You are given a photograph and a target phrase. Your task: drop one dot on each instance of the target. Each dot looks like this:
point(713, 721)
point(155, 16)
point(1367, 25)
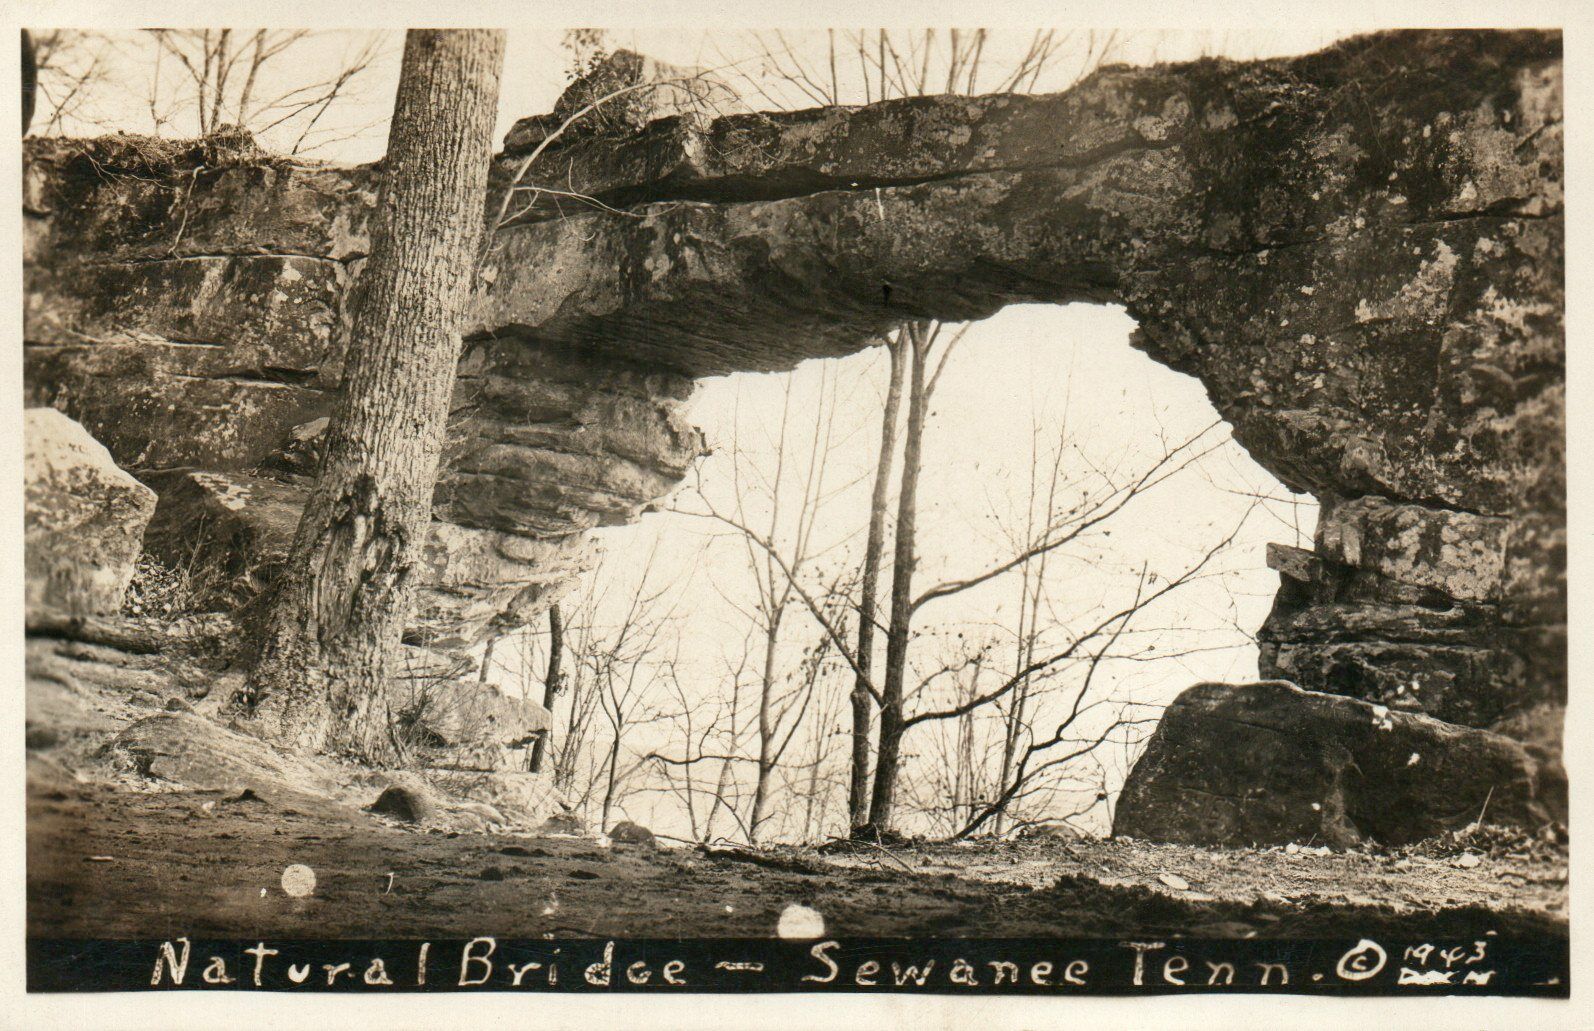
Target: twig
point(888, 852)
point(188, 197)
point(1478, 823)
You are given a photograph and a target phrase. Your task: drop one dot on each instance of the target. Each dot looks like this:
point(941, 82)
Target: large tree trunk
point(321, 680)
point(874, 549)
point(30, 80)
point(888, 756)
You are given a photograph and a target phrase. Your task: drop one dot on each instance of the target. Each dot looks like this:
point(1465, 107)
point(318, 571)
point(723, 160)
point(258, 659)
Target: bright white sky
point(1028, 371)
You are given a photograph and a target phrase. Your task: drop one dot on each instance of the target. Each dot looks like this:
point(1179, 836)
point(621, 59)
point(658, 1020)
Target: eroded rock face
point(1270, 764)
point(83, 520)
point(193, 317)
point(234, 532)
point(1359, 252)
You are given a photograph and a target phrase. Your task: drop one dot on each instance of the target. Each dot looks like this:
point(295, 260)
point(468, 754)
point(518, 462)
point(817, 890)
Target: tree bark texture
point(321, 680)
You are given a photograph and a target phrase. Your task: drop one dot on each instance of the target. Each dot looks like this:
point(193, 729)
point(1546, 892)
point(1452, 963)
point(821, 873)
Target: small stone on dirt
point(1174, 881)
point(563, 823)
point(402, 804)
point(1468, 860)
point(627, 833)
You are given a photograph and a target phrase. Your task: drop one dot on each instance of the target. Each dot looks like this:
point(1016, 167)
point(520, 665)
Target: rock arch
point(1360, 253)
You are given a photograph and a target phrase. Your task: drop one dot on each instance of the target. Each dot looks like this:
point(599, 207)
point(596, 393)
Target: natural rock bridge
point(1359, 252)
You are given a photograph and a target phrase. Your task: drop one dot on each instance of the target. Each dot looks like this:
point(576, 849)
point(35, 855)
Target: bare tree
point(617, 639)
point(786, 500)
point(626, 673)
point(70, 65)
point(216, 75)
point(551, 683)
point(868, 66)
point(863, 699)
point(348, 586)
point(579, 633)
point(892, 724)
point(284, 86)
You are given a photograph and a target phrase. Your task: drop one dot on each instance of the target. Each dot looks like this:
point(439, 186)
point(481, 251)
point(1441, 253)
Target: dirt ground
point(114, 853)
point(106, 862)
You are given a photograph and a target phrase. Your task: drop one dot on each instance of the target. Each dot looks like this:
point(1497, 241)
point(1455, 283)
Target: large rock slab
point(525, 799)
point(1268, 763)
point(189, 750)
point(184, 750)
point(83, 521)
point(1350, 620)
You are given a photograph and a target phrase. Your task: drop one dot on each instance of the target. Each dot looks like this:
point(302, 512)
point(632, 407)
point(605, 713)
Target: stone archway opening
point(1033, 393)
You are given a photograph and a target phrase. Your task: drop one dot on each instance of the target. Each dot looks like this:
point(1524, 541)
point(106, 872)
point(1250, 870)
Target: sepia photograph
point(1049, 511)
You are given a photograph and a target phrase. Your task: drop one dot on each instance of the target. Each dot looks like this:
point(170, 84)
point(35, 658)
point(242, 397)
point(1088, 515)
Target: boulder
point(405, 804)
point(468, 723)
point(413, 797)
point(84, 518)
point(563, 822)
point(522, 799)
point(458, 723)
point(1268, 763)
point(627, 833)
point(231, 531)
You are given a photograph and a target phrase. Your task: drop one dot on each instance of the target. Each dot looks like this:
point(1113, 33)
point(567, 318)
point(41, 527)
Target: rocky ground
point(124, 849)
point(107, 862)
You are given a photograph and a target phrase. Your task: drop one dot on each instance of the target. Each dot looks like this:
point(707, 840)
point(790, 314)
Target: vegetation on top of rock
point(136, 154)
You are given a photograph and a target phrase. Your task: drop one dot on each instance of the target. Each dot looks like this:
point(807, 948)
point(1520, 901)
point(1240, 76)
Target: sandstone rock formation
point(1360, 253)
point(83, 518)
point(236, 530)
point(1269, 764)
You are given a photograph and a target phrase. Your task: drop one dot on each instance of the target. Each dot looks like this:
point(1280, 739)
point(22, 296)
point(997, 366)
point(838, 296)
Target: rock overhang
point(1359, 252)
